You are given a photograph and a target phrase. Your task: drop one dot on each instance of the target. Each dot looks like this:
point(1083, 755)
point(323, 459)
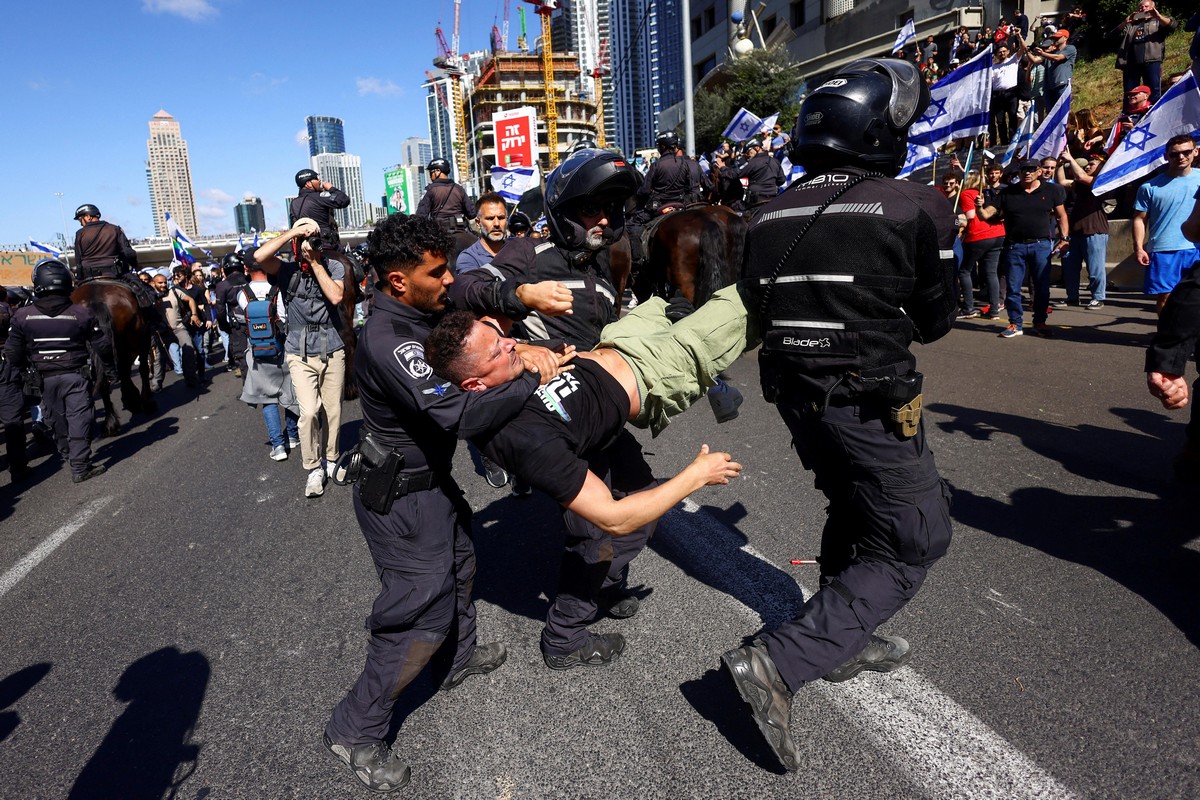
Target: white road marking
point(23, 567)
point(938, 744)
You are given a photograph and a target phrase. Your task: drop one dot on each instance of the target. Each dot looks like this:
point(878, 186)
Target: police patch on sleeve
point(411, 357)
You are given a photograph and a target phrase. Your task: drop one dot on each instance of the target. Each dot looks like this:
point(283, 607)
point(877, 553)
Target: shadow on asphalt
point(1106, 330)
point(146, 750)
point(714, 698)
point(12, 689)
point(1139, 542)
point(518, 547)
point(112, 451)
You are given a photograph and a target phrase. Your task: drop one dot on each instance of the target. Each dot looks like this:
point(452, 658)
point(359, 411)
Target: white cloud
point(38, 85)
point(302, 138)
point(214, 212)
point(377, 86)
point(269, 204)
point(134, 201)
point(194, 10)
point(216, 195)
point(260, 83)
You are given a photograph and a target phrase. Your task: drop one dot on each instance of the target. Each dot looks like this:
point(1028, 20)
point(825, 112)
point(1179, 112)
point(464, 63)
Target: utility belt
point(901, 394)
point(377, 469)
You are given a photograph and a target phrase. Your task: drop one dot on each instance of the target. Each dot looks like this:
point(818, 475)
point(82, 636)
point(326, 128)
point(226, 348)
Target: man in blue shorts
point(1161, 207)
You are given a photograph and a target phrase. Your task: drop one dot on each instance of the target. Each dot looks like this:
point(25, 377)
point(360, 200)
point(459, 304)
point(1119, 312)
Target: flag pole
point(966, 172)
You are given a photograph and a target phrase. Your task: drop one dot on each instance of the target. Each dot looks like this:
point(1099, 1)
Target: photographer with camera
point(317, 200)
point(313, 286)
point(1143, 46)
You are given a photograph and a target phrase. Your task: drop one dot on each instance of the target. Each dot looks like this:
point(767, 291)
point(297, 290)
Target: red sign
point(516, 137)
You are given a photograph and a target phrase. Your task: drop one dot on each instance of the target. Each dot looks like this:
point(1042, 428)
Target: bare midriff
point(616, 366)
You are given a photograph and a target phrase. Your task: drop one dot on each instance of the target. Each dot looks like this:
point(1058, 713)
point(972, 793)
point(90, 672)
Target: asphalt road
point(183, 625)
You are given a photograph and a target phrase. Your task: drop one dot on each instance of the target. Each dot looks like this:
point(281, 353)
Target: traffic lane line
point(934, 741)
point(51, 543)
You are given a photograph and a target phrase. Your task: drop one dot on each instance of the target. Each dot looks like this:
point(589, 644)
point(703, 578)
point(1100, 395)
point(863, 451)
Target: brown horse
point(696, 251)
point(116, 309)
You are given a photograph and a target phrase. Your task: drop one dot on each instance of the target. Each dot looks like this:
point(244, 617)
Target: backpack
point(263, 328)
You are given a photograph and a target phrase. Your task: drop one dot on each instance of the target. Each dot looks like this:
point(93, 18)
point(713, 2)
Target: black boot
point(758, 682)
point(375, 764)
point(484, 659)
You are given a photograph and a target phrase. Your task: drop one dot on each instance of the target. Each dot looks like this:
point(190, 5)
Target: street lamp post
point(63, 215)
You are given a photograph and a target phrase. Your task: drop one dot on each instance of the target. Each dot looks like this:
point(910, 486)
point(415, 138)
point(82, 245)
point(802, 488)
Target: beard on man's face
point(595, 238)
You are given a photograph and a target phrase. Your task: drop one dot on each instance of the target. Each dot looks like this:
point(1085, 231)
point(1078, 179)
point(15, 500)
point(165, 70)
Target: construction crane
point(545, 8)
point(448, 61)
point(522, 40)
point(598, 73)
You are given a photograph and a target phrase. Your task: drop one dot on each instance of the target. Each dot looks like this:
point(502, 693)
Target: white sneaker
point(293, 444)
point(330, 467)
point(278, 453)
point(315, 486)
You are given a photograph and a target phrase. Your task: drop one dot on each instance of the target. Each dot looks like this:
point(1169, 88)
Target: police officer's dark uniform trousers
point(421, 544)
point(1177, 338)
point(594, 561)
point(12, 403)
point(875, 271)
point(53, 334)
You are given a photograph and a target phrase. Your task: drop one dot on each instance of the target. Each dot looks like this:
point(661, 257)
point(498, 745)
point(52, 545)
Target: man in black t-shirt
point(1028, 209)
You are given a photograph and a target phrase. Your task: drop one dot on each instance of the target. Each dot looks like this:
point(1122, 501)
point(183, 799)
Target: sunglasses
point(1030, 169)
point(1181, 153)
point(592, 208)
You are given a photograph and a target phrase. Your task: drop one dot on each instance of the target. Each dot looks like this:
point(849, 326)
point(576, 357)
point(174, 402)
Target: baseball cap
point(1031, 163)
point(1060, 34)
point(305, 175)
point(1143, 89)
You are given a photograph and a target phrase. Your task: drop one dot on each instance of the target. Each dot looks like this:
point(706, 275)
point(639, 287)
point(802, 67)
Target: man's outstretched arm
point(595, 502)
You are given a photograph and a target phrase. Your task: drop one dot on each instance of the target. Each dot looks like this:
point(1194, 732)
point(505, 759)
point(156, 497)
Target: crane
point(449, 61)
point(522, 40)
point(598, 73)
point(545, 8)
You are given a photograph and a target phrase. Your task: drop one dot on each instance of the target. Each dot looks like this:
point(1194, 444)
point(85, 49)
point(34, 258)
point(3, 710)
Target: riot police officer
point(101, 248)
point(762, 173)
point(535, 282)
point(12, 398)
point(445, 201)
point(411, 512)
point(672, 180)
point(850, 268)
point(317, 200)
point(53, 335)
point(231, 318)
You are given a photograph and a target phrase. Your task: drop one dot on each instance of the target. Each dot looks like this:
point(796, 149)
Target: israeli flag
point(1020, 142)
point(958, 109)
point(1050, 139)
point(907, 34)
point(742, 126)
point(791, 172)
point(512, 182)
point(1143, 148)
point(45, 248)
point(175, 232)
point(768, 124)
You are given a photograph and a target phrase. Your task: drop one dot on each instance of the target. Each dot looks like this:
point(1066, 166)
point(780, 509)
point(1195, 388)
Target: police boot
point(484, 659)
point(618, 602)
point(758, 682)
point(882, 654)
point(93, 471)
point(375, 764)
point(600, 649)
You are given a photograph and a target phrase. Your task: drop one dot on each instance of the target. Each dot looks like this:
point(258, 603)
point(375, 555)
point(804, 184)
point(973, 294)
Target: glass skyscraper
point(325, 135)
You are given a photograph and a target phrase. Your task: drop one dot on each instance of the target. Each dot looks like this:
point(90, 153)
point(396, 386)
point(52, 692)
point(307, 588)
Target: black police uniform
point(53, 334)
point(12, 403)
point(573, 424)
point(446, 203)
point(103, 250)
point(421, 545)
point(1178, 336)
point(225, 295)
point(875, 271)
point(319, 205)
point(764, 176)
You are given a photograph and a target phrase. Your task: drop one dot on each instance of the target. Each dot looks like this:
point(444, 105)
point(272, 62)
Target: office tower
point(417, 152)
point(344, 171)
point(325, 135)
point(248, 215)
point(169, 176)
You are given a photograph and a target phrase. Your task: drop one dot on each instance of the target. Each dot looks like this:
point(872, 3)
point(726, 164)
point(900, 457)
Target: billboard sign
point(401, 183)
point(516, 137)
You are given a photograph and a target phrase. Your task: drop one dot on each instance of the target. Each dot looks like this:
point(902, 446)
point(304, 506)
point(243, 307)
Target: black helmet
point(667, 141)
point(752, 143)
point(439, 164)
point(18, 296)
point(861, 115)
point(595, 175)
point(87, 210)
point(583, 144)
point(304, 176)
point(51, 276)
point(234, 262)
point(518, 223)
point(360, 250)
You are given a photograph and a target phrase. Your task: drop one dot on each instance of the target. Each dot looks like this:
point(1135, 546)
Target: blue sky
point(82, 80)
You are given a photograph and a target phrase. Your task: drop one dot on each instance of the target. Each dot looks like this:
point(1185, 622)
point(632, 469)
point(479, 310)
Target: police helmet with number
point(667, 142)
point(861, 117)
point(51, 276)
point(597, 178)
point(234, 262)
point(304, 176)
point(439, 165)
point(87, 210)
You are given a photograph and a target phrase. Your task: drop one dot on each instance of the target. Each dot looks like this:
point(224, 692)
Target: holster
point(32, 382)
point(378, 474)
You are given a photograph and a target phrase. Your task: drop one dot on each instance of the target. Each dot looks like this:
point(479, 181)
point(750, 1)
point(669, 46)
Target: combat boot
point(618, 602)
point(760, 685)
point(600, 649)
point(882, 654)
point(375, 764)
point(484, 659)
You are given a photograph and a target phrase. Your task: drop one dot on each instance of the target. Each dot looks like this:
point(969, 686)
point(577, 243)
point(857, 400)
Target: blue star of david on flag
point(936, 109)
point(1138, 138)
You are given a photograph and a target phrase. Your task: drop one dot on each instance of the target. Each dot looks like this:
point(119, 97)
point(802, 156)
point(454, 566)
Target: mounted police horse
point(116, 309)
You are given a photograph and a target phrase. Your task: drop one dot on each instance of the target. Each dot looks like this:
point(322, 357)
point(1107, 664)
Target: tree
point(762, 82)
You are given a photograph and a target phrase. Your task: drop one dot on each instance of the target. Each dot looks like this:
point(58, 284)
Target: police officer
point(536, 282)
point(727, 184)
point(12, 398)
point(231, 318)
point(673, 179)
point(317, 200)
point(850, 268)
point(445, 201)
point(762, 173)
point(413, 515)
point(54, 335)
point(101, 248)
